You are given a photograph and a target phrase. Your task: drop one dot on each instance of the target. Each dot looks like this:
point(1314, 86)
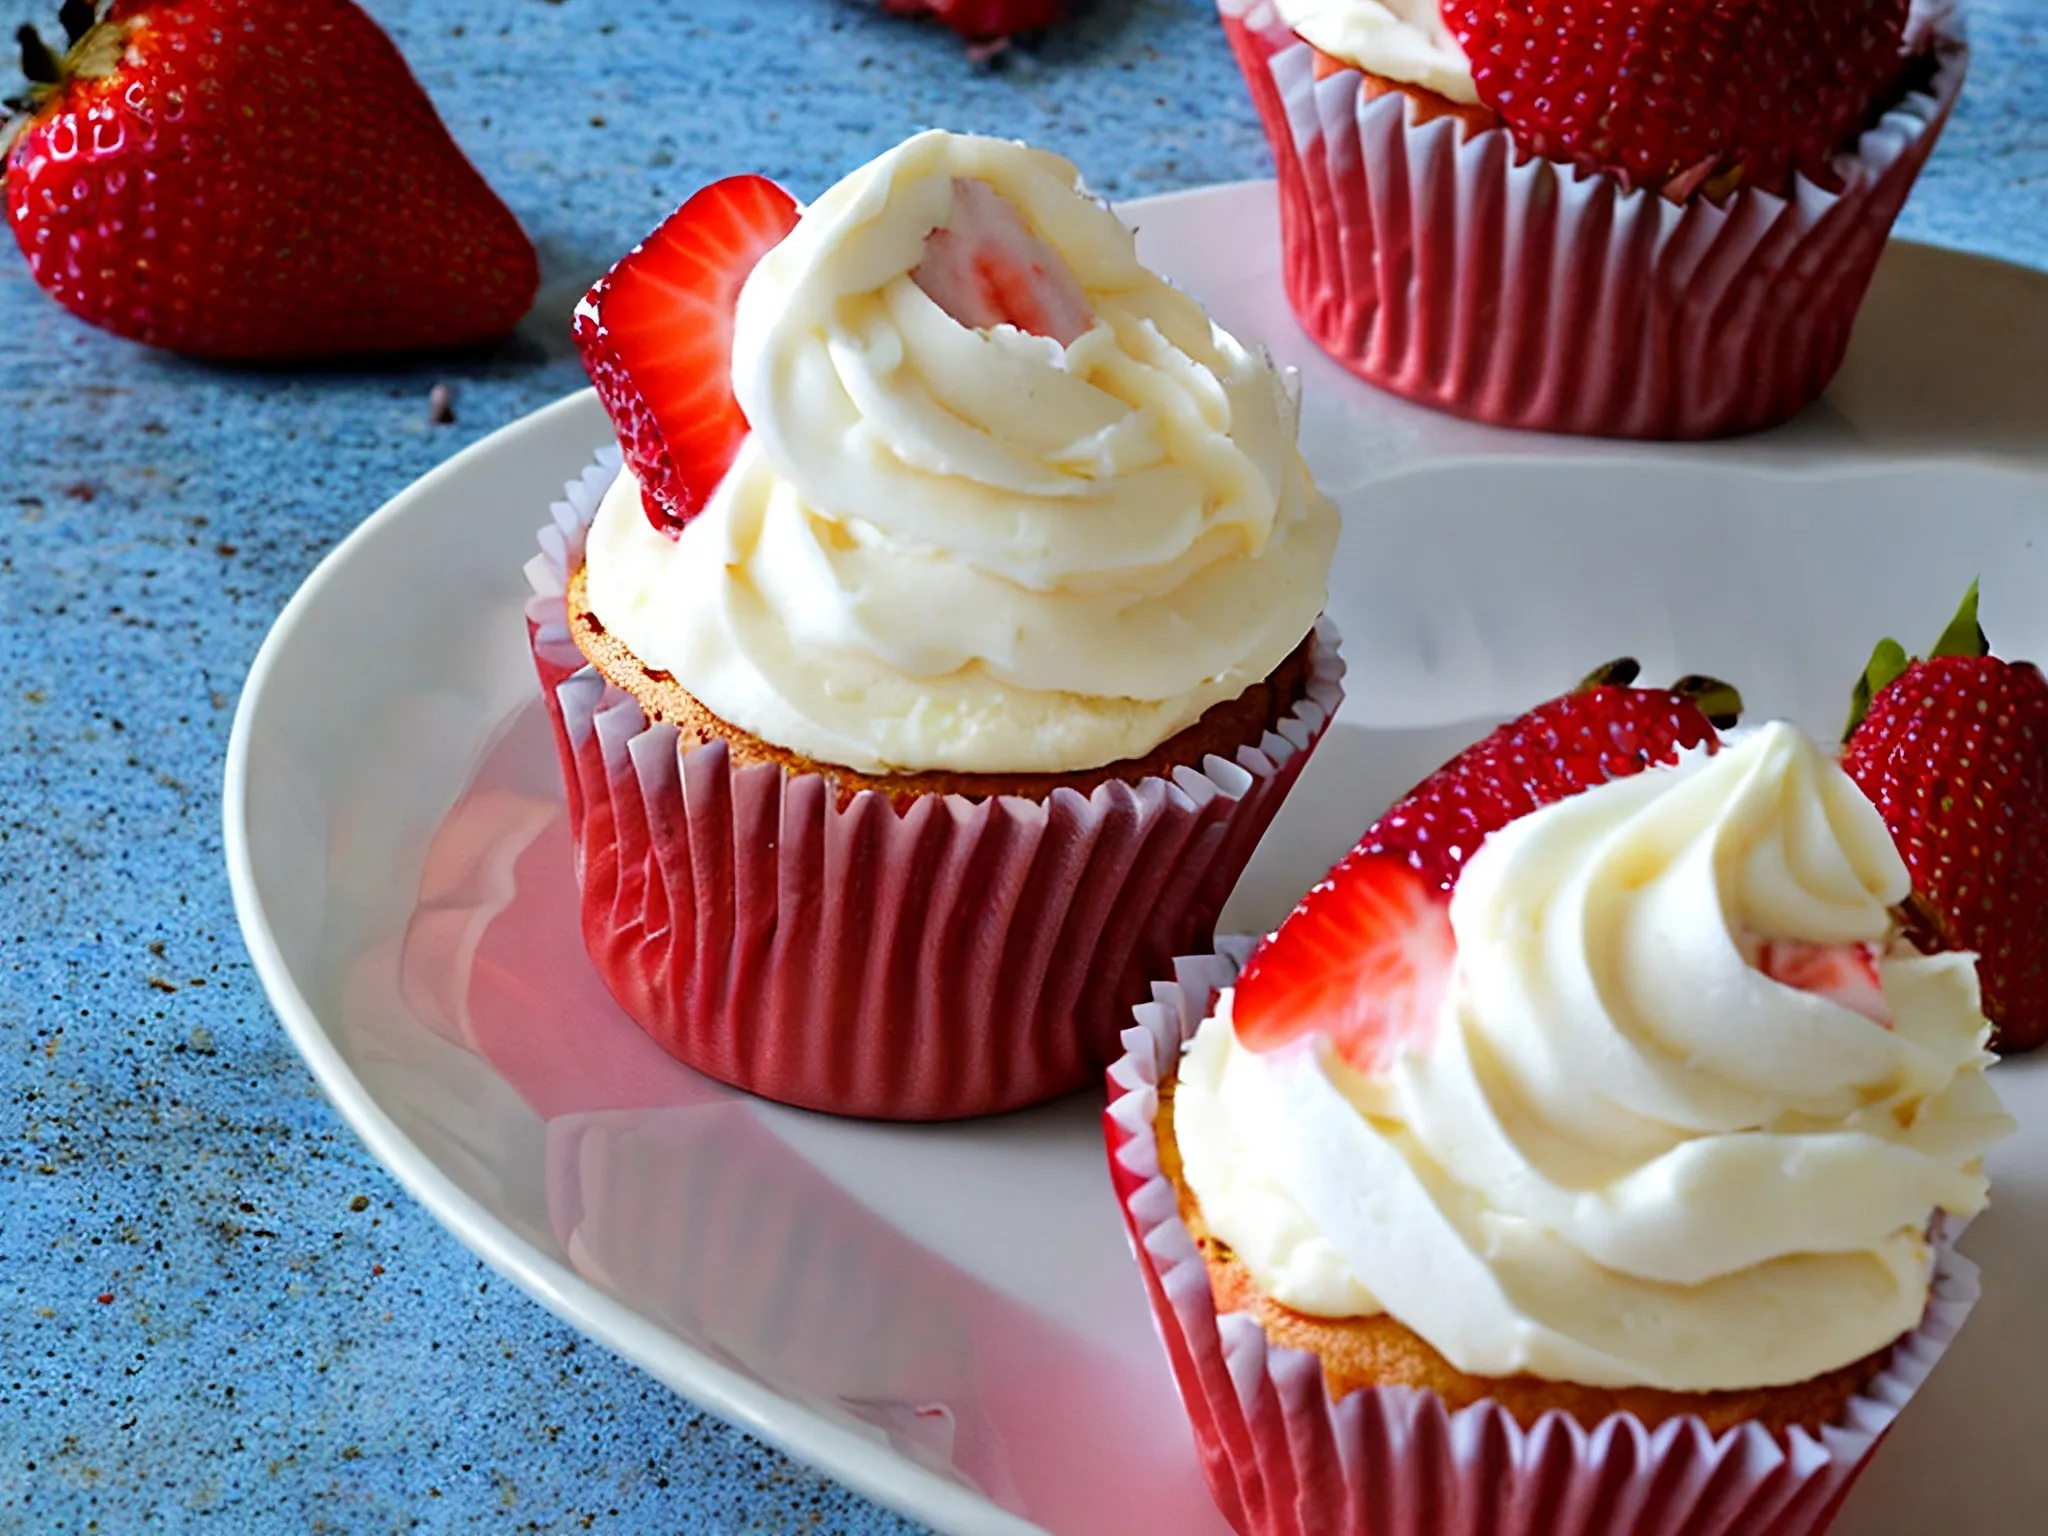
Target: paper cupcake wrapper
point(957, 958)
point(1533, 295)
point(1282, 1459)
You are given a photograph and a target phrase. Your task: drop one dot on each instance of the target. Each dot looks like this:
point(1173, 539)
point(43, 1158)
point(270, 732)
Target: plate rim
point(871, 1468)
point(882, 1474)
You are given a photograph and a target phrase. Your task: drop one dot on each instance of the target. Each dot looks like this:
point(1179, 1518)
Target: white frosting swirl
point(975, 549)
point(1397, 39)
point(1629, 1157)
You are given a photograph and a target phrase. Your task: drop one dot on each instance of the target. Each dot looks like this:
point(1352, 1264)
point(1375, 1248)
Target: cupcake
point(1632, 220)
point(1581, 1156)
point(929, 671)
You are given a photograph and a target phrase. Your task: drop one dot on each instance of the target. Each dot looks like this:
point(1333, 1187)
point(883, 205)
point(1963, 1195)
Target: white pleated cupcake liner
point(1283, 1459)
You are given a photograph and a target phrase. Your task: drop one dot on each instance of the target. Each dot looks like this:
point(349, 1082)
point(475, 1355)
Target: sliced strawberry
point(1363, 961)
point(656, 339)
point(1845, 974)
point(985, 267)
point(1604, 731)
point(1682, 93)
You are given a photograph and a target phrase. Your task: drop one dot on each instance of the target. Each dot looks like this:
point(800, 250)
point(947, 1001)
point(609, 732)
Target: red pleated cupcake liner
point(1283, 1459)
point(1448, 268)
point(954, 958)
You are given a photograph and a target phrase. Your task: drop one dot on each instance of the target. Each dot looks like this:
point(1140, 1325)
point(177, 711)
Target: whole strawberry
point(246, 180)
point(1603, 730)
point(1364, 957)
point(1953, 751)
point(1677, 94)
point(982, 20)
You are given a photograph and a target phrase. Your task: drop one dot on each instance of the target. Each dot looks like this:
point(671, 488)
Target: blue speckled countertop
point(216, 1311)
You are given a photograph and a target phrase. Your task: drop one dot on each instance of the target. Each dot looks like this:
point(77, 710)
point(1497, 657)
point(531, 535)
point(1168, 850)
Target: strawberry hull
point(1522, 293)
point(1283, 1459)
point(959, 958)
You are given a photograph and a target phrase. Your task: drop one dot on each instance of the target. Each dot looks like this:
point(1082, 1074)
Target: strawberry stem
point(1921, 924)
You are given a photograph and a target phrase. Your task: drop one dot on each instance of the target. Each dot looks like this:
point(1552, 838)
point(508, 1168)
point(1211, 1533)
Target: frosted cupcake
point(930, 671)
point(1632, 220)
point(1619, 1179)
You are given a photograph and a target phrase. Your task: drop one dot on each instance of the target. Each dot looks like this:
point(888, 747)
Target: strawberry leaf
point(1888, 664)
point(1720, 702)
point(1618, 673)
point(1964, 636)
point(37, 62)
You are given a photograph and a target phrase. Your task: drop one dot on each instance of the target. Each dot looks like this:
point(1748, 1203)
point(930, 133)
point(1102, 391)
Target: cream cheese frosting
point(1629, 1157)
point(944, 547)
point(1396, 39)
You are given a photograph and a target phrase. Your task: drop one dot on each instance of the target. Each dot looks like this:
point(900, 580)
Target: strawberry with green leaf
point(249, 181)
point(1952, 748)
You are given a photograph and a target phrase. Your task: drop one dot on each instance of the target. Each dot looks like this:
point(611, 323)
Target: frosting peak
point(1632, 1156)
point(974, 548)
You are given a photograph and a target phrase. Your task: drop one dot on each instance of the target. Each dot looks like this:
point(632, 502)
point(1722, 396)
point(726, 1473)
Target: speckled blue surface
point(216, 1312)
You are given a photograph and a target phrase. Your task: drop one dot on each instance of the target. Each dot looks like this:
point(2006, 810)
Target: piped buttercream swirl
point(975, 549)
point(1629, 1156)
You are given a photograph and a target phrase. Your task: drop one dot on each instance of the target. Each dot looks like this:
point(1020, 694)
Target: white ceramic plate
point(945, 1317)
